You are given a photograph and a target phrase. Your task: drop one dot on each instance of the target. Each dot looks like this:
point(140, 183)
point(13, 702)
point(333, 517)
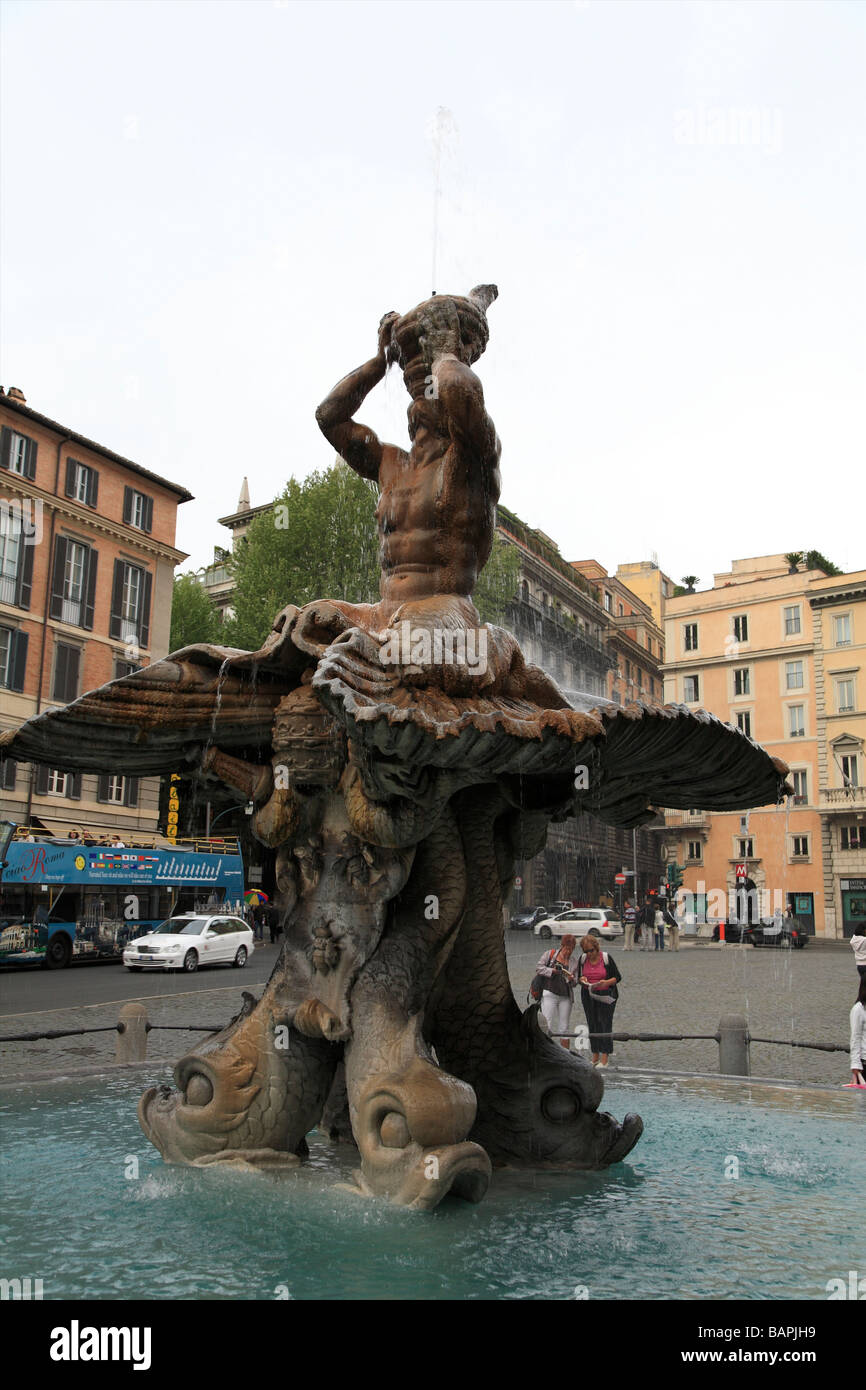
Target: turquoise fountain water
point(670, 1222)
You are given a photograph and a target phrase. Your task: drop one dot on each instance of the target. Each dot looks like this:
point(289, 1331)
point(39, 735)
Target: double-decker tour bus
point(65, 900)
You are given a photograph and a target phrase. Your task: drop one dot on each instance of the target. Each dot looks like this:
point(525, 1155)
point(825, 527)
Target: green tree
point(193, 616)
point(319, 540)
point(498, 581)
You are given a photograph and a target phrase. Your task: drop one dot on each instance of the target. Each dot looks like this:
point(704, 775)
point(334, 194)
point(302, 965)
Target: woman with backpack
point(598, 975)
point(558, 995)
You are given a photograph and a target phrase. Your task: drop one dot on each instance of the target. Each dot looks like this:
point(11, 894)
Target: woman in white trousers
point(557, 1001)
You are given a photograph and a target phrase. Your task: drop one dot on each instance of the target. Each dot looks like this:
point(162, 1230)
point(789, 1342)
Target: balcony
point(686, 820)
point(843, 799)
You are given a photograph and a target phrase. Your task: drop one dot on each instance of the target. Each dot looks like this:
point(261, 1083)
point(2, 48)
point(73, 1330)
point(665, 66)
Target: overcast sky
point(208, 206)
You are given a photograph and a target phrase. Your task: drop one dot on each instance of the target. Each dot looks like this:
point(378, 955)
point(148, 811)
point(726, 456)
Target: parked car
point(581, 921)
point(771, 932)
point(768, 932)
point(526, 917)
point(185, 943)
point(564, 905)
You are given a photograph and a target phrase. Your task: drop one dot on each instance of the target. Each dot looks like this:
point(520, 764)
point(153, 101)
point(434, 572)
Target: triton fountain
point(400, 757)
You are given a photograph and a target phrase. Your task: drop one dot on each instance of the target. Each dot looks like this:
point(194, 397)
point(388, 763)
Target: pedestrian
point(659, 928)
point(673, 929)
point(598, 975)
point(646, 918)
point(630, 919)
point(557, 998)
point(273, 924)
point(858, 1038)
point(858, 946)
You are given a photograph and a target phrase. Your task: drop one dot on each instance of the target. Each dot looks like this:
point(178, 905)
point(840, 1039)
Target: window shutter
point(102, 786)
point(61, 667)
point(127, 505)
point(148, 514)
point(56, 609)
point(18, 660)
point(42, 780)
point(116, 621)
point(8, 768)
point(73, 668)
point(5, 442)
point(30, 460)
point(70, 477)
point(90, 589)
point(144, 617)
point(92, 487)
point(130, 791)
point(74, 785)
point(25, 575)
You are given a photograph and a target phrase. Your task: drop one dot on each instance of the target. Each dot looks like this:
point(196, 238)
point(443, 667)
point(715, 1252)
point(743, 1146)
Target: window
point(799, 846)
point(130, 604)
point(794, 675)
point(746, 849)
point(852, 837)
point(695, 849)
point(691, 687)
point(628, 670)
point(796, 721)
point(137, 510)
point(842, 630)
point(792, 619)
point(13, 658)
point(695, 811)
point(850, 770)
point(621, 610)
point(744, 824)
point(741, 681)
point(117, 791)
point(16, 561)
point(125, 668)
point(799, 783)
point(53, 781)
point(17, 453)
point(82, 483)
point(744, 722)
point(690, 637)
point(8, 769)
point(649, 645)
point(741, 627)
point(73, 587)
point(845, 695)
point(640, 678)
point(67, 663)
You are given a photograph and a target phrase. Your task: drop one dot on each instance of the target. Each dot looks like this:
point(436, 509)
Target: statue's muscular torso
point(437, 507)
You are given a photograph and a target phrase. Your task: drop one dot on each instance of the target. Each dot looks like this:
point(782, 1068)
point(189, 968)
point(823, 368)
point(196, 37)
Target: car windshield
point(180, 926)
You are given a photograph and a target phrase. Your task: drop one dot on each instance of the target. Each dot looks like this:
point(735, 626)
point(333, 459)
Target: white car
point(185, 943)
point(581, 921)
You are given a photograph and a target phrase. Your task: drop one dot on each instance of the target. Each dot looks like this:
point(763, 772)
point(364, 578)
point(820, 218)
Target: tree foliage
point(193, 616)
point(498, 581)
point(319, 540)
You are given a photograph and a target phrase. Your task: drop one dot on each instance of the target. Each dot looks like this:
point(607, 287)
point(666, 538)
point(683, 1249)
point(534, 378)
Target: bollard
point(733, 1046)
point(132, 1034)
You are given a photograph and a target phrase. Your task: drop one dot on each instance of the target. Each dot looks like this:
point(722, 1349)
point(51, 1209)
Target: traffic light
point(675, 876)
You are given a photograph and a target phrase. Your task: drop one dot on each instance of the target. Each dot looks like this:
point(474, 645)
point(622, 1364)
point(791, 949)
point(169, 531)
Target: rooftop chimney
point(16, 394)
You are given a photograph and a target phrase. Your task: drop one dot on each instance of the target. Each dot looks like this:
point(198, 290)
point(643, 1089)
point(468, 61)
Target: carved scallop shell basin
point(678, 1219)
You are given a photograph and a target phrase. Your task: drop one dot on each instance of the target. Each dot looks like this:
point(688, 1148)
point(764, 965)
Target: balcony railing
point(844, 798)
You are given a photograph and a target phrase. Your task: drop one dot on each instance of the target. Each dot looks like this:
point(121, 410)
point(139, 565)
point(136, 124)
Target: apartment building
point(633, 636)
point(87, 558)
point(838, 608)
point(652, 586)
point(754, 651)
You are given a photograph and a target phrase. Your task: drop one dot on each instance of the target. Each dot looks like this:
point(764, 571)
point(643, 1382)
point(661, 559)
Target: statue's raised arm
point(359, 446)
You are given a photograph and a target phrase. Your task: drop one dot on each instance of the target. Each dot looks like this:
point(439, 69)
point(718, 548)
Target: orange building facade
point(87, 558)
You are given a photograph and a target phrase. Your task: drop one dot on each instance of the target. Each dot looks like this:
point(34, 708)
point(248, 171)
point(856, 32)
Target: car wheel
point(58, 951)
point(190, 961)
point(545, 933)
point(241, 957)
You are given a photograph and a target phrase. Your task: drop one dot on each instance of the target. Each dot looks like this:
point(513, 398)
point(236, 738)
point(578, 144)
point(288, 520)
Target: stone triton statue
point(401, 756)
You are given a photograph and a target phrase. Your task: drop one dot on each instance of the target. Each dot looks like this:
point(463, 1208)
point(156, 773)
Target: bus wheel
point(241, 957)
point(190, 961)
point(58, 951)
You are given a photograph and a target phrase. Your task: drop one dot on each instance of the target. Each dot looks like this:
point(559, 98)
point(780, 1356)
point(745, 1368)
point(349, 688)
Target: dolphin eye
point(394, 1131)
point(559, 1104)
point(199, 1090)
